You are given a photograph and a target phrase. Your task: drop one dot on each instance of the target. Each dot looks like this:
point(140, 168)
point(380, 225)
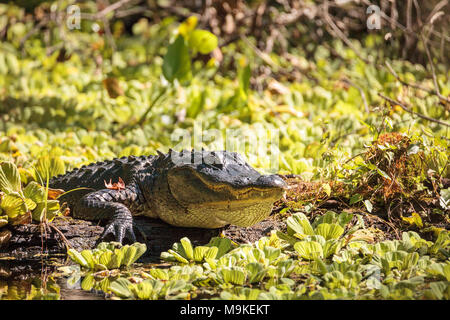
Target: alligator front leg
point(106, 204)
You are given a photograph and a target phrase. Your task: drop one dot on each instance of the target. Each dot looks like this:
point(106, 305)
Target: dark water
point(24, 280)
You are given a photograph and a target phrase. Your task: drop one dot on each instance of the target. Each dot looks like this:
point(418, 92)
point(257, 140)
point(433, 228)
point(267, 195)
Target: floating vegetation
point(318, 260)
point(108, 255)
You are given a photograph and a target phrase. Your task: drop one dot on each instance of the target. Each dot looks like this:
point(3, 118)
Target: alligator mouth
point(260, 190)
point(242, 213)
point(197, 191)
point(218, 203)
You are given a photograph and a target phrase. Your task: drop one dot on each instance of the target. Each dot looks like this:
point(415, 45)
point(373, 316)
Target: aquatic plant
point(108, 255)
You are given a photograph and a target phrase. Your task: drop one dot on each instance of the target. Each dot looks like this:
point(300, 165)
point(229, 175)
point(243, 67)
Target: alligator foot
point(120, 230)
point(97, 205)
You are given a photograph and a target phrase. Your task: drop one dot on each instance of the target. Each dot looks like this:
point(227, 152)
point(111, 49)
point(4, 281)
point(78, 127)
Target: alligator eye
point(217, 165)
point(213, 160)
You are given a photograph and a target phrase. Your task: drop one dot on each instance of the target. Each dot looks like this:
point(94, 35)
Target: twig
point(109, 34)
point(394, 22)
point(404, 107)
point(412, 85)
point(35, 29)
point(102, 14)
point(110, 8)
point(339, 33)
point(430, 60)
point(361, 92)
point(268, 60)
point(66, 242)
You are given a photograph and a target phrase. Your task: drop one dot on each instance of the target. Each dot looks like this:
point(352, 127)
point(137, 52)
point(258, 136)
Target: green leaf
point(355, 198)
point(326, 188)
point(244, 75)
point(47, 167)
point(177, 256)
point(202, 41)
point(34, 191)
point(116, 259)
point(88, 282)
point(309, 250)
point(368, 205)
point(144, 290)
point(446, 271)
point(141, 248)
point(344, 218)
point(256, 272)
point(415, 219)
point(177, 62)
point(271, 253)
point(444, 199)
point(187, 247)
point(329, 231)
point(211, 253)
point(51, 208)
point(199, 253)
point(413, 149)
point(299, 223)
point(120, 287)
point(77, 257)
point(9, 178)
point(437, 290)
point(161, 274)
point(383, 174)
point(105, 258)
point(331, 247)
point(129, 254)
point(89, 258)
point(187, 26)
point(234, 275)
point(223, 245)
point(14, 206)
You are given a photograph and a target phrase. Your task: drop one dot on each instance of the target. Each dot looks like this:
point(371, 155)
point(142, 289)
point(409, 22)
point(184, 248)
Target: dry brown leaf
point(120, 185)
point(53, 194)
point(22, 219)
point(113, 87)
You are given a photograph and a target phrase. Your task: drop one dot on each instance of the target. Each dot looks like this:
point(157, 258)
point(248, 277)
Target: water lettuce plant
point(273, 268)
point(150, 289)
point(184, 252)
point(18, 204)
point(108, 255)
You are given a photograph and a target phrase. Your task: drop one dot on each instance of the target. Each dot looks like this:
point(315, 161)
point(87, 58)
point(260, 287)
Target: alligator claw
point(120, 230)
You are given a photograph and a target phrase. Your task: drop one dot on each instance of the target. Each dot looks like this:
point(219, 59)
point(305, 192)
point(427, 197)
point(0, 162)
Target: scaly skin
point(192, 189)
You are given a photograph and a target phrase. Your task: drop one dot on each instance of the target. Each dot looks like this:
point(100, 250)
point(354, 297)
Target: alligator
point(203, 189)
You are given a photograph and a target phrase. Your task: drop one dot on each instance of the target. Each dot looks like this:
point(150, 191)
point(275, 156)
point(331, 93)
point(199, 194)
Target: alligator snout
point(271, 181)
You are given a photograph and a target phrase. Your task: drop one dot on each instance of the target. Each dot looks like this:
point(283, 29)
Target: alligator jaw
point(214, 204)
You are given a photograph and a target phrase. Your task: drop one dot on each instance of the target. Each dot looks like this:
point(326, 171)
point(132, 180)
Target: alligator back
point(96, 174)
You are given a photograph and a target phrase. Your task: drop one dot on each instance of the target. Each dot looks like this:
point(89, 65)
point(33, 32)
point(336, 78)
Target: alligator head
point(216, 188)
